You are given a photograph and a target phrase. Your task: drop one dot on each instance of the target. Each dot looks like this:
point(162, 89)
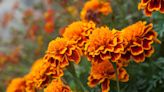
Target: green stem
point(72, 71)
point(117, 80)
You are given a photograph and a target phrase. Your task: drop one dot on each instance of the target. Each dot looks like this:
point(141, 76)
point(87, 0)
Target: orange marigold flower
point(93, 8)
point(79, 31)
point(17, 85)
point(101, 73)
point(64, 50)
point(37, 77)
point(57, 86)
point(104, 44)
point(140, 38)
point(151, 5)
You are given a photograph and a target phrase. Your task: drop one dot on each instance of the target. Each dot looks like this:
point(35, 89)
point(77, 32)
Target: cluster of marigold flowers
point(108, 50)
point(100, 45)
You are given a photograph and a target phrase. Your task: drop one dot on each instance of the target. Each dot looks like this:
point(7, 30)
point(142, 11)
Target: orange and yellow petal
point(57, 86)
point(105, 85)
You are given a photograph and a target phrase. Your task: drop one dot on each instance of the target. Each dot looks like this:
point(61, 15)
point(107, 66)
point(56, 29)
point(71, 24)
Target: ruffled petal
point(109, 48)
point(126, 56)
point(105, 85)
point(123, 75)
point(75, 57)
point(147, 29)
point(154, 5)
point(139, 58)
point(64, 62)
point(149, 52)
point(150, 35)
point(147, 44)
point(97, 59)
point(105, 56)
point(118, 48)
point(58, 56)
point(136, 50)
point(138, 42)
point(113, 42)
point(115, 56)
point(93, 82)
point(162, 6)
point(147, 12)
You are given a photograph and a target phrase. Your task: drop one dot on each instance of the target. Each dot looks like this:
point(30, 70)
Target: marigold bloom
point(57, 86)
point(140, 38)
point(101, 73)
point(104, 44)
point(79, 31)
point(93, 8)
point(64, 50)
point(17, 85)
point(151, 5)
point(37, 76)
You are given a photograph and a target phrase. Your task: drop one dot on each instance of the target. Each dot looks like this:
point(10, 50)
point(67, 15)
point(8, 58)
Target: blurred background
point(24, 36)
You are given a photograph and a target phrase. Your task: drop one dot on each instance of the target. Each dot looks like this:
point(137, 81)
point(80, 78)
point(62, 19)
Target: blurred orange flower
point(150, 6)
point(93, 8)
point(27, 15)
point(3, 59)
point(140, 38)
point(104, 44)
point(49, 17)
point(57, 86)
point(49, 26)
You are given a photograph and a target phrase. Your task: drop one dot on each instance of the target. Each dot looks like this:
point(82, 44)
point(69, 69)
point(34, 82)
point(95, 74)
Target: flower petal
point(126, 56)
point(123, 75)
point(64, 62)
point(139, 58)
point(136, 50)
point(93, 82)
point(149, 52)
point(147, 44)
point(162, 6)
point(105, 56)
point(118, 48)
point(147, 12)
point(75, 57)
point(154, 5)
point(105, 85)
point(150, 35)
point(115, 56)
